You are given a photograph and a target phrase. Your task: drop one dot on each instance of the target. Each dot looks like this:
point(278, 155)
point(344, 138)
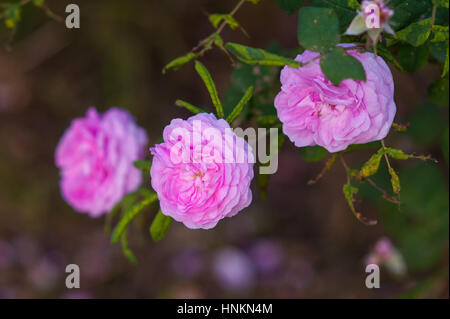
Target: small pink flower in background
point(373, 18)
point(202, 186)
point(188, 263)
point(234, 270)
point(316, 112)
point(96, 155)
point(267, 256)
point(384, 253)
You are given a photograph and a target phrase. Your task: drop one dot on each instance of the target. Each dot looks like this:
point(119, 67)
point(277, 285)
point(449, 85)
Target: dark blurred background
point(302, 242)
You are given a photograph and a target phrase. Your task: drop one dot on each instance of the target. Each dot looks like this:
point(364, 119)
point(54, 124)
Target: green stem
point(206, 42)
point(433, 15)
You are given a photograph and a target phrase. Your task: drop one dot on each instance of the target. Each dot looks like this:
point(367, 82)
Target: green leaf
point(445, 138)
point(160, 226)
point(262, 78)
point(216, 18)
point(438, 50)
point(313, 153)
point(413, 59)
point(417, 33)
point(446, 64)
point(318, 29)
point(259, 56)
point(371, 166)
point(427, 123)
point(194, 109)
point(178, 62)
point(388, 56)
point(126, 250)
point(210, 86)
point(441, 3)
point(290, 6)
point(143, 165)
point(345, 10)
point(438, 92)
point(407, 12)
point(356, 147)
point(268, 120)
point(420, 290)
point(38, 3)
point(353, 4)
point(440, 33)
point(254, 1)
point(12, 16)
point(240, 106)
point(125, 203)
point(338, 65)
point(129, 214)
point(421, 230)
point(218, 41)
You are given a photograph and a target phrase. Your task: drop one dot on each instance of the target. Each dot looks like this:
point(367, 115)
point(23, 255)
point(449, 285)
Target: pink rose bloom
point(204, 184)
point(95, 156)
point(315, 112)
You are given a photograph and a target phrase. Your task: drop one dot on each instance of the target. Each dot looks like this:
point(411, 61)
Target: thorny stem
point(385, 194)
point(22, 3)
point(46, 9)
point(232, 13)
point(13, 31)
point(347, 169)
point(206, 42)
point(371, 182)
point(385, 155)
point(358, 215)
point(330, 162)
point(389, 166)
point(51, 14)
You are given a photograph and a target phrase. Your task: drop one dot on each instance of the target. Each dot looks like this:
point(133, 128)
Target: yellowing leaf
point(349, 193)
point(216, 18)
point(395, 181)
point(371, 166)
point(400, 155)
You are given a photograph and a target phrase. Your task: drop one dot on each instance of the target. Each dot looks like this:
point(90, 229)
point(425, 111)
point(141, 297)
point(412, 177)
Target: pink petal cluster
point(385, 253)
point(384, 12)
point(95, 156)
point(316, 112)
point(201, 190)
